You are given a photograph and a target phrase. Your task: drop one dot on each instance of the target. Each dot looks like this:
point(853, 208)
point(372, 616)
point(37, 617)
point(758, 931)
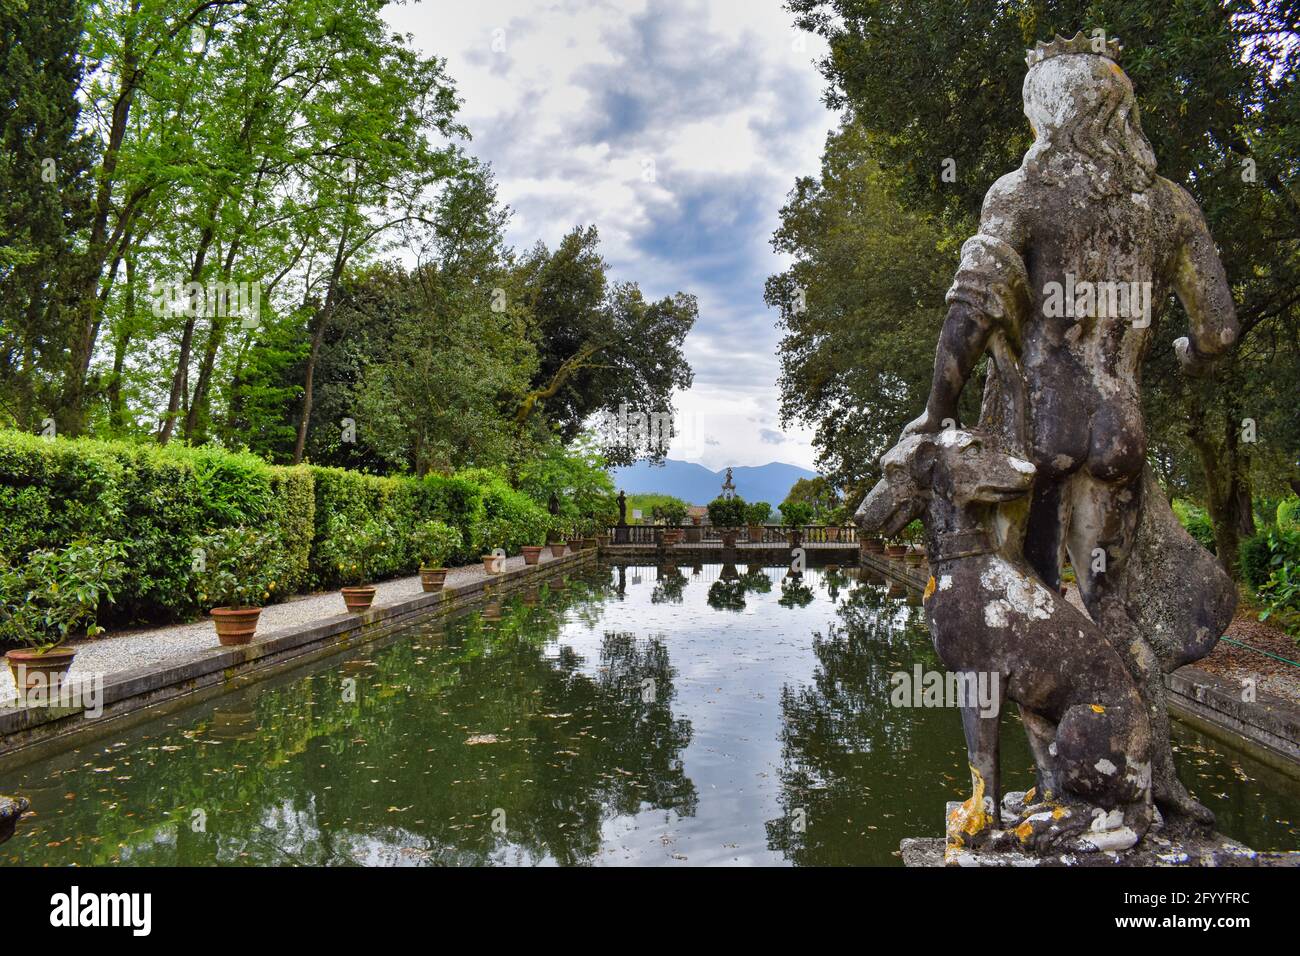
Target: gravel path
point(129, 648)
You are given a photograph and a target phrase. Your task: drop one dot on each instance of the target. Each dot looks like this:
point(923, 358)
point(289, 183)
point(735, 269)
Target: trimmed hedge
point(159, 501)
point(156, 501)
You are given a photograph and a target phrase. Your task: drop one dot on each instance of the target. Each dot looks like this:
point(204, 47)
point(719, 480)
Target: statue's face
point(971, 467)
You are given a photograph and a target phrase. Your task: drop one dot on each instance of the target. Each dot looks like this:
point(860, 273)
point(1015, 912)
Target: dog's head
point(964, 467)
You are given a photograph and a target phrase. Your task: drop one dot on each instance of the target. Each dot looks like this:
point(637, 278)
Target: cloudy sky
point(677, 127)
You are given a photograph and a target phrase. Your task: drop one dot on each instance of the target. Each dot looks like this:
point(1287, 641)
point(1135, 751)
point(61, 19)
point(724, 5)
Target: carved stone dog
point(990, 614)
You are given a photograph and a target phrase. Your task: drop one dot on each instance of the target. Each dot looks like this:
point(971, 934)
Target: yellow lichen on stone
point(1098, 709)
point(968, 819)
point(929, 589)
point(1029, 795)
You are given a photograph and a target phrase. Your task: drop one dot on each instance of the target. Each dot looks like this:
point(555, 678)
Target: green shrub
point(727, 512)
point(795, 513)
point(294, 506)
point(357, 549)
point(670, 510)
point(239, 567)
point(153, 500)
point(1197, 522)
point(456, 502)
point(758, 512)
point(656, 507)
point(55, 593)
point(350, 500)
point(510, 518)
point(158, 502)
point(1270, 564)
point(1288, 514)
point(433, 542)
point(1254, 557)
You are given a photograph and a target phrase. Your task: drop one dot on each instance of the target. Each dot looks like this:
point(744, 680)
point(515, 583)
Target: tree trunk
point(1227, 483)
point(317, 335)
point(72, 403)
point(180, 379)
point(116, 412)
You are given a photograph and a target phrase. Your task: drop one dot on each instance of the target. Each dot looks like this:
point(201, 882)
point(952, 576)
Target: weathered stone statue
point(1076, 251)
point(994, 622)
point(620, 532)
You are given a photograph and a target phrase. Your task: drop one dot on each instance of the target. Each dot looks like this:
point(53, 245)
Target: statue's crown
point(1097, 46)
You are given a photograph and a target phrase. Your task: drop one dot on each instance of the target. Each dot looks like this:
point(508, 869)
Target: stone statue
point(1076, 250)
point(11, 811)
point(622, 509)
point(992, 619)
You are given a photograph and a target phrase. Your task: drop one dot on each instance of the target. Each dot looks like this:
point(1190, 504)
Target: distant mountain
point(696, 485)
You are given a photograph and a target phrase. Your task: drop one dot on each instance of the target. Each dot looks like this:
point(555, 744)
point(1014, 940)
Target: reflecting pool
point(628, 715)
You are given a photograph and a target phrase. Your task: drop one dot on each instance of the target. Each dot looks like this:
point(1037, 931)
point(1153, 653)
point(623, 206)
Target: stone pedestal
point(1163, 845)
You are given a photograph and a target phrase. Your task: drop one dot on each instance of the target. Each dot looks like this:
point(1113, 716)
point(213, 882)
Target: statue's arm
point(984, 295)
point(1202, 287)
point(966, 331)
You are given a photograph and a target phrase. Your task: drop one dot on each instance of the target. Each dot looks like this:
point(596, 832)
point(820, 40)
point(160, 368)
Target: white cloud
point(721, 97)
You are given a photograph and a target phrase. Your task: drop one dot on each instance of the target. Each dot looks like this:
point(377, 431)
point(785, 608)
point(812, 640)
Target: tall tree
point(861, 303)
point(1216, 82)
point(45, 158)
point(601, 348)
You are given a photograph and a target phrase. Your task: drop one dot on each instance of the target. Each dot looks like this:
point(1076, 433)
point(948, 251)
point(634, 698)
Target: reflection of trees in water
point(794, 592)
point(840, 736)
point(669, 584)
point(447, 728)
point(728, 592)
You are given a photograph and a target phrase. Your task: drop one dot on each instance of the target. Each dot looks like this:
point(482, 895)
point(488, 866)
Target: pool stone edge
point(28, 733)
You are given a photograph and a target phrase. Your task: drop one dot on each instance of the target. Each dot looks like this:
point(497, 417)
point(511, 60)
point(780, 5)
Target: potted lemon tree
point(354, 549)
point(236, 571)
point(433, 542)
point(755, 516)
point(494, 534)
point(51, 596)
point(727, 514)
point(795, 515)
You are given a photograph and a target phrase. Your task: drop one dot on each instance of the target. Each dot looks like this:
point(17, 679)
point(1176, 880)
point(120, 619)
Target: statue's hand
point(1192, 363)
point(926, 424)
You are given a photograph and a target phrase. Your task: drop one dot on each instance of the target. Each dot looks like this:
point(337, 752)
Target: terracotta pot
point(532, 553)
point(832, 534)
point(235, 625)
point(358, 599)
point(36, 671)
point(673, 537)
point(695, 520)
point(557, 549)
point(588, 543)
point(728, 539)
point(755, 534)
point(493, 564)
point(873, 545)
point(602, 541)
point(432, 579)
point(574, 545)
point(895, 550)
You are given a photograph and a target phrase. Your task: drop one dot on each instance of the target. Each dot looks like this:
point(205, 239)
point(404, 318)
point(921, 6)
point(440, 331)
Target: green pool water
point(634, 716)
